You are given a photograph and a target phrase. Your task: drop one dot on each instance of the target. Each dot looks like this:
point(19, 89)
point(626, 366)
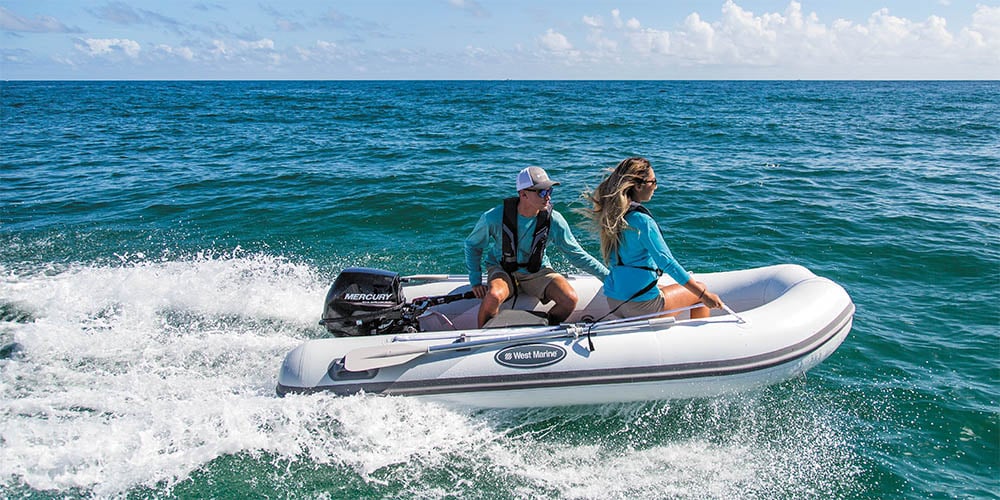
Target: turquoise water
point(165, 243)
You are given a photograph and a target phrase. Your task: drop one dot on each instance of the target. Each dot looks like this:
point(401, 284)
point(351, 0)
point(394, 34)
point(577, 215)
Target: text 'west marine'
point(537, 354)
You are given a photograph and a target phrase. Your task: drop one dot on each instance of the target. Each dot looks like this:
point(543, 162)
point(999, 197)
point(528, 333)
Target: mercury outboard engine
point(365, 301)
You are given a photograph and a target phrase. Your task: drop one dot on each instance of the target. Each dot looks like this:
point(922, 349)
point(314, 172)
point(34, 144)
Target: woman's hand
point(711, 300)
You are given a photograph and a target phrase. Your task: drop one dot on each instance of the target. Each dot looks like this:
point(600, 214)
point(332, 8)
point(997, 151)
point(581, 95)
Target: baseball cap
point(534, 178)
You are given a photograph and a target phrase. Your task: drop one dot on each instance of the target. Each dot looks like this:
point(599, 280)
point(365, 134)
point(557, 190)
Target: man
point(516, 234)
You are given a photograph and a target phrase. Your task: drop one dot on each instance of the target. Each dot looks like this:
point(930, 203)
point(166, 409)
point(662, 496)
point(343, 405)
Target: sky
point(498, 39)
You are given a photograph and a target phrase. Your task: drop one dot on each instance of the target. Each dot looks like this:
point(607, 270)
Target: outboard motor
point(365, 301)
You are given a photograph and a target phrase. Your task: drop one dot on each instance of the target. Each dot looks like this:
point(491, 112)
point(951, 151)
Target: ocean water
point(164, 244)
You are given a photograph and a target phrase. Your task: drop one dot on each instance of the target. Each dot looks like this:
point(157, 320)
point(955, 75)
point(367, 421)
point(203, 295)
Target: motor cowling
point(365, 301)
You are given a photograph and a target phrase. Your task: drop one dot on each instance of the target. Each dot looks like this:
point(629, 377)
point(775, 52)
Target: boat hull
point(793, 320)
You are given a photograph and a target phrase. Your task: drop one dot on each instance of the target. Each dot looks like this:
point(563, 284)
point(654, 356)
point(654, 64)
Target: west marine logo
point(530, 355)
point(368, 297)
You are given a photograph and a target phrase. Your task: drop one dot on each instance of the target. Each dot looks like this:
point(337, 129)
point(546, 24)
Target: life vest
point(509, 261)
point(659, 272)
point(643, 210)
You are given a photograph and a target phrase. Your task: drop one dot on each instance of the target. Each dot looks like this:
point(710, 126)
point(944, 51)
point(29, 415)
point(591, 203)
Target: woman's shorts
point(633, 308)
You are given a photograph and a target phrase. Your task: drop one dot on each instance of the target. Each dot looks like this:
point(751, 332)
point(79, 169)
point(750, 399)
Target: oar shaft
point(637, 320)
point(733, 313)
point(368, 358)
point(426, 277)
point(649, 315)
point(548, 334)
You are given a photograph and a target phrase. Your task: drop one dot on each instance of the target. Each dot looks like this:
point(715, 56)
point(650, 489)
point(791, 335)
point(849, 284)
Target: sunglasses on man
point(542, 193)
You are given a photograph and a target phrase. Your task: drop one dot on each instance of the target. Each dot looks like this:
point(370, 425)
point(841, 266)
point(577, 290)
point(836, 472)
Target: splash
point(146, 375)
point(139, 373)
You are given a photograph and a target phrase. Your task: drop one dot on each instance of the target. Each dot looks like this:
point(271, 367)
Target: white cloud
point(697, 36)
point(616, 16)
point(747, 38)
point(327, 47)
point(795, 39)
point(554, 41)
point(605, 47)
point(986, 25)
point(474, 52)
point(182, 52)
point(321, 52)
point(324, 55)
point(109, 46)
point(220, 49)
point(247, 52)
point(262, 44)
point(729, 41)
point(650, 41)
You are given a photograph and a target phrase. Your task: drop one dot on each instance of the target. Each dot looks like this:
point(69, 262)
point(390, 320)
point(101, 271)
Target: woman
point(634, 250)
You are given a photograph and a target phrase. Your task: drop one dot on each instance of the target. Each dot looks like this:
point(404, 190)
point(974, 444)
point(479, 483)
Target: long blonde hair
point(611, 201)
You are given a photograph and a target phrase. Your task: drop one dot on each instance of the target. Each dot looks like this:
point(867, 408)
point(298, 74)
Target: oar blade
point(381, 356)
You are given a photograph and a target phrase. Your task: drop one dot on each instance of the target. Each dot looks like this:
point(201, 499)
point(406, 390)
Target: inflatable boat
point(783, 320)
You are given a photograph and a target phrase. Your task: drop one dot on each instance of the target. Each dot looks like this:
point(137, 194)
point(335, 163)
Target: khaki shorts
point(633, 308)
point(533, 284)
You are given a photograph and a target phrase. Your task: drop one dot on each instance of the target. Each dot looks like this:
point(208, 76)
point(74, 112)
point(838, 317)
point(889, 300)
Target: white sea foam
point(140, 373)
point(137, 375)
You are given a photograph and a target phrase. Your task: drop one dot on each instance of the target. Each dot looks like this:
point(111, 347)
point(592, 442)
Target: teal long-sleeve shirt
point(486, 238)
point(642, 245)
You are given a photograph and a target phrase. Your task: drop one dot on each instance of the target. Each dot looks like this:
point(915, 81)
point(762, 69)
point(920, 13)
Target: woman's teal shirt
point(642, 245)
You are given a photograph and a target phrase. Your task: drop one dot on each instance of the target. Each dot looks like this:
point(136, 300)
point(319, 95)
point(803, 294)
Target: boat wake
point(148, 376)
